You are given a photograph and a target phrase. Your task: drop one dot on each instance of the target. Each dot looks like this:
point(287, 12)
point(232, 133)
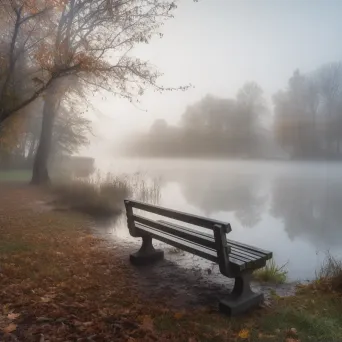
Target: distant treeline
point(306, 123)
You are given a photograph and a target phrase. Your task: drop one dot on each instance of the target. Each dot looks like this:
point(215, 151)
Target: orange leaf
point(243, 334)
point(13, 315)
point(178, 315)
point(10, 328)
point(147, 323)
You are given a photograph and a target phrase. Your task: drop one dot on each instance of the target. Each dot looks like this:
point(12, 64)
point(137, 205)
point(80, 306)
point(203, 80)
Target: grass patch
point(313, 318)
point(15, 176)
point(197, 327)
point(329, 276)
point(98, 199)
point(271, 273)
point(103, 197)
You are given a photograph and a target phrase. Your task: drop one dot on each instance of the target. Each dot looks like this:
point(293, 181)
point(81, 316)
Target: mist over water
point(266, 99)
point(258, 141)
point(292, 209)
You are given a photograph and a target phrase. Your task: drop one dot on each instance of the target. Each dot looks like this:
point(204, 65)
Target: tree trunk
point(32, 149)
point(40, 173)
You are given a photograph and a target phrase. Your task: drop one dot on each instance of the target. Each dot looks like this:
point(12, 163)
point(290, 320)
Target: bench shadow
point(166, 281)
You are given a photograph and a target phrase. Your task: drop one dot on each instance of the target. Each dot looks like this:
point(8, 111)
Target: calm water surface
point(292, 209)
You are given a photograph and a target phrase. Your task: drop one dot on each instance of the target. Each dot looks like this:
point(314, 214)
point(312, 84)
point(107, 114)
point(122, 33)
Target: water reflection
point(241, 194)
point(295, 210)
point(310, 208)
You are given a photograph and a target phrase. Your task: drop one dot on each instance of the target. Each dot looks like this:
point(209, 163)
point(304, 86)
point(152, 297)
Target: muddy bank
point(181, 279)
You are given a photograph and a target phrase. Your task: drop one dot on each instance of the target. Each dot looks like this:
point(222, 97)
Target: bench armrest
point(222, 249)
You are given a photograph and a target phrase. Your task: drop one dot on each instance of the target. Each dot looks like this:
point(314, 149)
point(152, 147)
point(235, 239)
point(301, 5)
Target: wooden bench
point(235, 260)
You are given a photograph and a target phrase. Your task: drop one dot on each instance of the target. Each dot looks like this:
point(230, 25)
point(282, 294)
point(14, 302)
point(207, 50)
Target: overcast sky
point(217, 45)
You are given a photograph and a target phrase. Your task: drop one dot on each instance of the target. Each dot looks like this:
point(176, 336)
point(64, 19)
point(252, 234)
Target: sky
point(217, 46)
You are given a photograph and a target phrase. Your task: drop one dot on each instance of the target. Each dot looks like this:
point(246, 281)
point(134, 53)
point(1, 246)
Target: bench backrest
point(219, 228)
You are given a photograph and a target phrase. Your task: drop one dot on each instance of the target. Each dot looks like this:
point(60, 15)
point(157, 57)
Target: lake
point(293, 209)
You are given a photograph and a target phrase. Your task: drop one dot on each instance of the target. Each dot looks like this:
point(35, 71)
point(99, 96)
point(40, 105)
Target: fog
point(288, 52)
point(252, 137)
point(217, 46)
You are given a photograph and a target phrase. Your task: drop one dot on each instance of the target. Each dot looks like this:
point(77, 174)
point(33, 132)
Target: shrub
point(271, 273)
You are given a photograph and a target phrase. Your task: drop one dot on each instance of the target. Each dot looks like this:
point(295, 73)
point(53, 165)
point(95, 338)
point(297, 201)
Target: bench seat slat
point(208, 241)
point(239, 248)
point(188, 246)
point(240, 262)
point(178, 231)
point(249, 255)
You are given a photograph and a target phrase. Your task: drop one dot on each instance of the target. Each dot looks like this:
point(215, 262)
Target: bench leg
point(242, 298)
point(146, 254)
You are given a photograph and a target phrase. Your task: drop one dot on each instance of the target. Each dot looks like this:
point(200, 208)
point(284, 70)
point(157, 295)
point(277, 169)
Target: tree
point(92, 41)
point(250, 106)
point(295, 116)
point(20, 138)
point(329, 87)
point(212, 126)
point(89, 39)
point(24, 25)
point(308, 114)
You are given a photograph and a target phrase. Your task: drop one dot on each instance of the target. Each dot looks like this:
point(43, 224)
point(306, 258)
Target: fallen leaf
point(265, 336)
point(10, 328)
point(291, 340)
point(45, 299)
point(12, 316)
point(87, 324)
point(178, 315)
point(243, 334)
point(147, 323)
point(44, 319)
point(5, 308)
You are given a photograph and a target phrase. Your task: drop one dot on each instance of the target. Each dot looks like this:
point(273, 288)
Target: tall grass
point(271, 273)
point(330, 273)
point(102, 195)
point(143, 189)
